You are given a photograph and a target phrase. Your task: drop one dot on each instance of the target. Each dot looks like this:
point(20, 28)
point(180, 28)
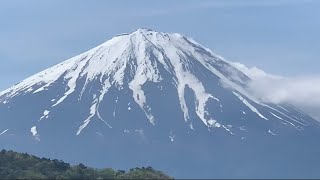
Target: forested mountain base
point(15, 165)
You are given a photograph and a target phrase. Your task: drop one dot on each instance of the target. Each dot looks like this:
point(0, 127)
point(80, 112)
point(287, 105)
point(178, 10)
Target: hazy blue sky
point(278, 36)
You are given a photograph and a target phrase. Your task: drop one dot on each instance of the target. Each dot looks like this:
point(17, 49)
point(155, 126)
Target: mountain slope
point(148, 90)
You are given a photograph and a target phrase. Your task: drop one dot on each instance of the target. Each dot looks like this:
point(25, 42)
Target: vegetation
point(24, 166)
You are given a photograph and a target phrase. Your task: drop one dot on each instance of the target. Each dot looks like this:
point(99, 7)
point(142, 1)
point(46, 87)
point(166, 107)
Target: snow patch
point(252, 108)
point(45, 115)
point(171, 138)
point(276, 116)
point(3, 132)
point(242, 128)
point(271, 132)
point(213, 123)
point(34, 133)
point(33, 130)
point(228, 129)
point(86, 121)
point(287, 117)
point(283, 108)
point(191, 126)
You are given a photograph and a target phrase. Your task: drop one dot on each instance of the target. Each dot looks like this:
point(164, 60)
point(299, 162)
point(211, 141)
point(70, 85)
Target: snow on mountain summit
point(129, 61)
point(112, 57)
point(159, 99)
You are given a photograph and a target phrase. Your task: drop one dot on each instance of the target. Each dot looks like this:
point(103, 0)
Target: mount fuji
point(159, 99)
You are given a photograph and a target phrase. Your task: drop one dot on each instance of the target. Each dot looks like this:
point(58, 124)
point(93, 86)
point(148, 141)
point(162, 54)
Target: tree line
point(15, 165)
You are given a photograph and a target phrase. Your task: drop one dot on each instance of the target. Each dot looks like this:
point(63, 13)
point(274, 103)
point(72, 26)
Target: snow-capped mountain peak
point(128, 62)
point(159, 99)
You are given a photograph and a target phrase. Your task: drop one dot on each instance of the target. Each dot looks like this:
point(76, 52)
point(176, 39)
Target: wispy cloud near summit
point(302, 91)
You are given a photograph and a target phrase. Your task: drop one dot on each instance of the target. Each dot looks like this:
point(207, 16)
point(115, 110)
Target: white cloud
point(302, 92)
point(254, 72)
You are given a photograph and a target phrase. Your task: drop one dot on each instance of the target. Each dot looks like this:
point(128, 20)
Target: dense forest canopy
point(15, 165)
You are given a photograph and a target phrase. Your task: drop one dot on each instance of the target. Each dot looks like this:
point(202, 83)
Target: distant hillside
point(15, 165)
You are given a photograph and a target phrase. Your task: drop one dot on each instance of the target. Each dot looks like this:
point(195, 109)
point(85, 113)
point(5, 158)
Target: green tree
point(23, 166)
